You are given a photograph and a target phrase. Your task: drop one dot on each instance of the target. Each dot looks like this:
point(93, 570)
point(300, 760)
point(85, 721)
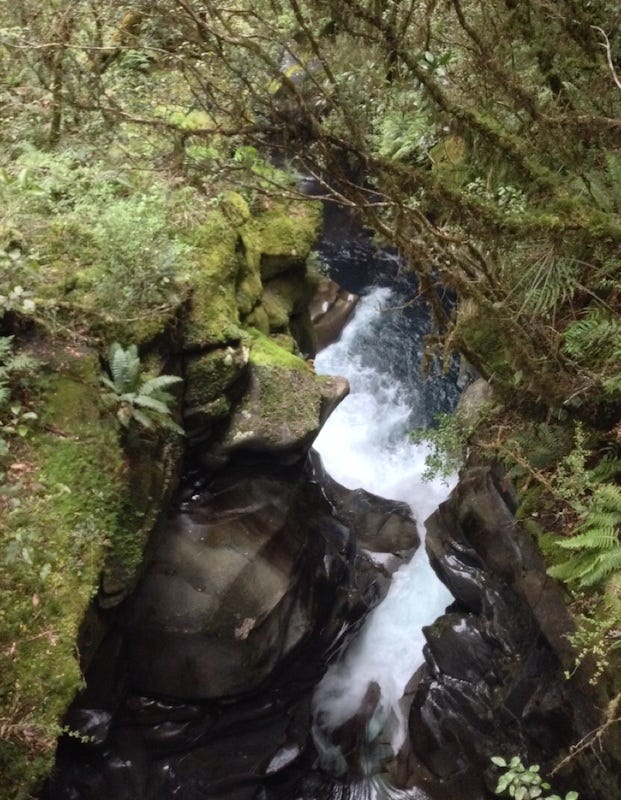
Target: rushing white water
point(365, 444)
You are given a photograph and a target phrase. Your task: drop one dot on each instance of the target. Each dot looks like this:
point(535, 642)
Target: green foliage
point(524, 783)
point(405, 130)
point(509, 198)
point(138, 398)
point(447, 440)
point(87, 233)
point(595, 539)
point(581, 490)
point(16, 372)
point(547, 283)
point(597, 638)
point(594, 341)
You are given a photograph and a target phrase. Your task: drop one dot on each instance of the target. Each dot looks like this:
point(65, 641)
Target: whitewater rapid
point(365, 444)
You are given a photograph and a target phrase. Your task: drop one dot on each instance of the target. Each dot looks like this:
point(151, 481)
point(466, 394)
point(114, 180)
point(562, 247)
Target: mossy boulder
point(281, 238)
point(209, 379)
point(287, 295)
point(259, 319)
point(234, 254)
point(284, 407)
point(209, 375)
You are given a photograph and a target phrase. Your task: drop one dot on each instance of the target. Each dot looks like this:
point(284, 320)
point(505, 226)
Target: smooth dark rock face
point(379, 525)
point(202, 688)
point(494, 679)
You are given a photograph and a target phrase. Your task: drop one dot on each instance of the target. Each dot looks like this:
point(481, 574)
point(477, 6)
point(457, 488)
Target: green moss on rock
point(266, 352)
point(281, 238)
point(285, 405)
point(213, 316)
point(209, 375)
point(259, 319)
point(277, 309)
point(55, 537)
point(84, 507)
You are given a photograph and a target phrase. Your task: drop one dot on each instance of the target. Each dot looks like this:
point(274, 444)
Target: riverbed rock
point(233, 586)
point(204, 687)
point(380, 525)
point(330, 310)
point(494, 681)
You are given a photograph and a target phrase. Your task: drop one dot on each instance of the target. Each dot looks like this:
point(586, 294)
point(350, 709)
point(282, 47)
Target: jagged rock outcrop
point(380, 525)
point(494, 681)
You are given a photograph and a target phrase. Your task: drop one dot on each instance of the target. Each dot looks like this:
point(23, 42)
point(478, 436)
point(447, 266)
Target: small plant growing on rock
point(15, 370)
point(140, 399)
point(524, 783)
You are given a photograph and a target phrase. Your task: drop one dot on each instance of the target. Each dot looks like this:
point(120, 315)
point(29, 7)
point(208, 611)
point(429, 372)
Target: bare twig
point(606, 45)
point(611, 717)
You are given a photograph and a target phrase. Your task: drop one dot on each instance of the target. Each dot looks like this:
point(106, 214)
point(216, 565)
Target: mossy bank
point(80, 494)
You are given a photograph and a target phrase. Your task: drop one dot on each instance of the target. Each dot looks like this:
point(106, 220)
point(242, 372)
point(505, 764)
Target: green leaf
point(150, 402)
point(142, 418)
point(161, 382)
point(499, 761)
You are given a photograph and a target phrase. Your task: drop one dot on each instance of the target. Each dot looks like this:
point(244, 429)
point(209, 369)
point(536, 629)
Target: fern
point(14, 369)
point(139, 399)
point(548, 283)
point(607, 469)
point(125, 367)
point(597, 540)
point(595, 339)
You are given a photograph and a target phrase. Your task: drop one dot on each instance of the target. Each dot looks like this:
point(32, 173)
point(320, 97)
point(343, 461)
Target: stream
point(365, 445)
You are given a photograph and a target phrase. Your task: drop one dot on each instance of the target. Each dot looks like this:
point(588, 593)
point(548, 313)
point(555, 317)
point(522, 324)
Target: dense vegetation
point(482, 137)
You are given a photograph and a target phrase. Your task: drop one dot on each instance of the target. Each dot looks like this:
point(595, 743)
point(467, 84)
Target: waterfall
point(365, 444)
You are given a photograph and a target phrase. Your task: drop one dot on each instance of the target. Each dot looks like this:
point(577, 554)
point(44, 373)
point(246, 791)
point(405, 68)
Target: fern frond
point(595, 338)
point(607, 469)
point(595, 538)
point(6, 348)
point(124, 367)
point(607, 497)
point(157, 384)
point(571, 570)
point(604, 565)
point(144, 401)
point(20, 362)
point(108, 383)
point(142, 418)
point(171, 425)
point(612, 385)
point(547, 283)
